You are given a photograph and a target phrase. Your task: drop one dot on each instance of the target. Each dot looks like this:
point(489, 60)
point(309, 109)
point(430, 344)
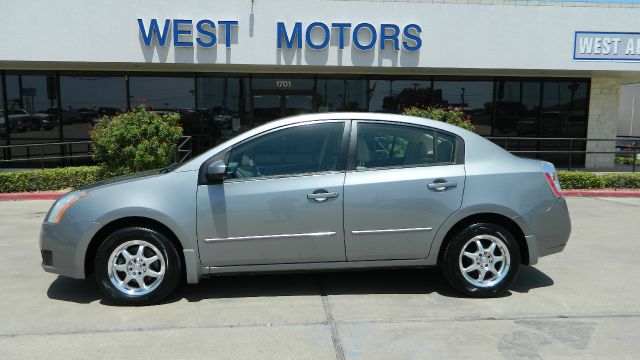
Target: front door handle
point(321, 195)
point(442, 186)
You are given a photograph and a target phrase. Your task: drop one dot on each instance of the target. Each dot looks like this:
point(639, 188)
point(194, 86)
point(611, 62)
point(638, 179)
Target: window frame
point(226, 154)
point(353, 146)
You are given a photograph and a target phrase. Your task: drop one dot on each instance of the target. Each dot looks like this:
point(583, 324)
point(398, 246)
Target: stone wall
point(603, 121)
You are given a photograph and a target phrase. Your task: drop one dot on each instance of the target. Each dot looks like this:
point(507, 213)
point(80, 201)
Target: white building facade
point(522, 70)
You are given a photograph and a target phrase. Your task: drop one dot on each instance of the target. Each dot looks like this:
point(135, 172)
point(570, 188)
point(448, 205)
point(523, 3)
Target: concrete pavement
point(582, 303)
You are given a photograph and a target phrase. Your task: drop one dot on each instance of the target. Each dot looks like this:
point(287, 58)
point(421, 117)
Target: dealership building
point(526, 72)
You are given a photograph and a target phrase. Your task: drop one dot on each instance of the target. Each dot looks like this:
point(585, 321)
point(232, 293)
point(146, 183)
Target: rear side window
point(386, 145)
point(292, 151)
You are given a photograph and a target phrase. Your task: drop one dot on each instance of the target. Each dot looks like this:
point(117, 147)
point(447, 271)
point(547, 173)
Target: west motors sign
point(318, 35)
point(613, 46)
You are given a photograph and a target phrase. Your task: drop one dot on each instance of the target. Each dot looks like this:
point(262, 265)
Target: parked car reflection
point(563, 124)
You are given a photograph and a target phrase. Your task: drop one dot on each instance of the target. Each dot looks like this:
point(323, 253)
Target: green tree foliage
point(449, 115)
point(135, 141)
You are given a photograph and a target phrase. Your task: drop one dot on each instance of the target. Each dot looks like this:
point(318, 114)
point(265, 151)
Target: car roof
point(365, 116)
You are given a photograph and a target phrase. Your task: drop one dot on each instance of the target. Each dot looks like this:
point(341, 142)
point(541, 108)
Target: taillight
point(552, 178)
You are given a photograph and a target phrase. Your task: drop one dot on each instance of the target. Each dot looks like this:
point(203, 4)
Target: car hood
point(124, 179)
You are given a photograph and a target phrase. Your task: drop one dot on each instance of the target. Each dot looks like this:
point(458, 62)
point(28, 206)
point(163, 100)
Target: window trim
point(353, 146)
point(226, 153)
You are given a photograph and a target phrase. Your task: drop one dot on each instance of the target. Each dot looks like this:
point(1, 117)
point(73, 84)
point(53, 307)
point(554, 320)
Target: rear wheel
point(482, 260)
point(137, 266)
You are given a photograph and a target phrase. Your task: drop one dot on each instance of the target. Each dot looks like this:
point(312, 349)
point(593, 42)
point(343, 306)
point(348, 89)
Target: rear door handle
point(322, 196)
point(442, 186)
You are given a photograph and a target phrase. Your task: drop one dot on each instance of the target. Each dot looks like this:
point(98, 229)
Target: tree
point(135, 141)
point(449, 115)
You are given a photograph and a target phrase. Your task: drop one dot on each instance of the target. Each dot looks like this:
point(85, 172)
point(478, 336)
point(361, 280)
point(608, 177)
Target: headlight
point(62, 205)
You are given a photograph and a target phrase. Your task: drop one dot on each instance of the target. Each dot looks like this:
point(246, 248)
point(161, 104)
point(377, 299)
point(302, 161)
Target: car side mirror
point(216, 171)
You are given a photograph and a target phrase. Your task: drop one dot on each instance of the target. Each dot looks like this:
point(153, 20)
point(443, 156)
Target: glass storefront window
point(473, 97)
point(282, 83)
point(86, 98)
point(393, 96)
point(3, 129)
point(221, 109)
point(517, 108)
point(341, 95)
point(165, 94)
point(228, 105)
point(564, 114)
point(564, 109)
point(162, 93)
point(32, 101)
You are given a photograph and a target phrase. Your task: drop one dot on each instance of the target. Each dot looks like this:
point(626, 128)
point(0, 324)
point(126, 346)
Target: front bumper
point(63, 247)
point(547, 232)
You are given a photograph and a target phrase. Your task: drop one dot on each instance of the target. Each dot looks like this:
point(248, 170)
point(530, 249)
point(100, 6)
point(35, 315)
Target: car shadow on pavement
point(74, 290)
point(387, 281)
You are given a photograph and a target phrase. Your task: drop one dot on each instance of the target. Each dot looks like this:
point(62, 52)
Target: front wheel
point(137, 266)
point(482, 260)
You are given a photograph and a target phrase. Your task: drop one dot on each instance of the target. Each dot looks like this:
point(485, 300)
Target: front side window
point(386, 145)
point(292, 151)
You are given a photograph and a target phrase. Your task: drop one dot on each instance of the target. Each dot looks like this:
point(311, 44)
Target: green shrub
point(135, 141)
point(49, 179)
point(450, 115)
point(621, 180)
point(626, 160)
point(586, 180)
point(579, 180)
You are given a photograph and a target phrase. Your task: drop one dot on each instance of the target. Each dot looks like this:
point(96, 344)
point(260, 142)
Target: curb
point(45, 195)
point(601, 193)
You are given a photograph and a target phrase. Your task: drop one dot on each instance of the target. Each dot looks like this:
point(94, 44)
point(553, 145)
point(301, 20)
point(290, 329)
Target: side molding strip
point(385, 231)
point(281, 236)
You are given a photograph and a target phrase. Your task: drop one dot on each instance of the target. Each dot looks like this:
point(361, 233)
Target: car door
point(402, 184)
point(282, 201)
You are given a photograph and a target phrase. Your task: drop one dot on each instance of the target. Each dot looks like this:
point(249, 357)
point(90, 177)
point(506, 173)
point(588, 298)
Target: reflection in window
point(296, 150)
point(169, 94)
point(564, 109)
point(517, 108)
point(564, 114)
point(342, 95)
point(393, 96)
point(474, 98)
point(162, 93)
point(35, 99)
point(221, 110)
point(3, 129)
point(86, 98)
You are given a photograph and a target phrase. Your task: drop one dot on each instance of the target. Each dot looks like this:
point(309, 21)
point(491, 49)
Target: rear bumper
point(547, 232)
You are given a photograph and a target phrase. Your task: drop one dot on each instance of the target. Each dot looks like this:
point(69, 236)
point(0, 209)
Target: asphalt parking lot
point(582, 303)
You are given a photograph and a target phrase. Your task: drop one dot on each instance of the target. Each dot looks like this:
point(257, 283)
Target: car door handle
point(322, 196)
point(442, 186)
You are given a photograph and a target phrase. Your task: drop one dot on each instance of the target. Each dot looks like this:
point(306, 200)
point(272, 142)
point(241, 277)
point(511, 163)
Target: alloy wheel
point(136, 267)
point(484, 260)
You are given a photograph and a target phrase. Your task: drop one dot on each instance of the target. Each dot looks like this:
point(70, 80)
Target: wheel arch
point(493, 218)
point(121, 223)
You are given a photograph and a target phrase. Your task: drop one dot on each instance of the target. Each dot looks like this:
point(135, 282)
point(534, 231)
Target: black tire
point(452, 260)
point(157, 242)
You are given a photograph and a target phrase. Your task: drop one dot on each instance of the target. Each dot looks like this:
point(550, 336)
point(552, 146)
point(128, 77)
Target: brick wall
point(603, 121)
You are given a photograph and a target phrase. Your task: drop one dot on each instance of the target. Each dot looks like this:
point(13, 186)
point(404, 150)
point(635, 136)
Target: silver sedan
point(315, 192)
